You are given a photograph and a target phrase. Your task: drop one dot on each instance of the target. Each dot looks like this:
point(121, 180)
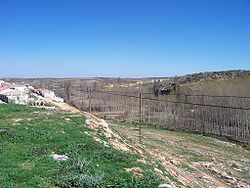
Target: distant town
point(26, 94)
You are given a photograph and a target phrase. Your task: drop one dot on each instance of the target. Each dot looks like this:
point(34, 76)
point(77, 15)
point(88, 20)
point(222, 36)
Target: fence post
point(90, 100)
point(186, 98)
point(141, 118)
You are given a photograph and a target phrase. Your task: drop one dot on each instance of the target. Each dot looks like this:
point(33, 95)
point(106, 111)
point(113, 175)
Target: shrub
point(79, 173)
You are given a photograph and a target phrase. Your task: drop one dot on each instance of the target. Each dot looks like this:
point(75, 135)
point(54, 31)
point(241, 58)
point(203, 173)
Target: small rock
point(213, 159)
point(229, 173)
point(175, 162)
point(87, 121)
point(107, 132)
point(228, 178)
point(238, 169)
point(242, 184)
point(235, 165)
point(136, 171)
point(166, 186)
point(158, 171)
point(224, 175)
point(142, 161)
point(59, 157)
point(104, 124)
point(3, 130)
point(163, 159)
point(215, 170)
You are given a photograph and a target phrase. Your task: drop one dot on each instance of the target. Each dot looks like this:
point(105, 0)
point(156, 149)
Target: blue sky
point(122, 38)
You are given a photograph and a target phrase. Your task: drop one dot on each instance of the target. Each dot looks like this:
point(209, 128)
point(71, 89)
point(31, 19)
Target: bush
point(79, 173)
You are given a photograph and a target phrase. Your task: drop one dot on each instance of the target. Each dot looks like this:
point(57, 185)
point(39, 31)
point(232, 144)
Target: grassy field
point(28, 136)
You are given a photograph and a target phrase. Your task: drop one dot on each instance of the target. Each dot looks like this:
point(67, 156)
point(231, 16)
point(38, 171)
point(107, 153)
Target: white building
point(50, 95)
point(1, 83)
point(20, 88)
point(18, 97)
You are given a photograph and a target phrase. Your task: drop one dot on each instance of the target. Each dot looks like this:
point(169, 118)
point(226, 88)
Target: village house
point(49, 94)
point(25, 94)
point(16, 96)
point(1, 83)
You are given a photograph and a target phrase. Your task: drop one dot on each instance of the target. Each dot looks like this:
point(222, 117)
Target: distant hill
point(196, 77)
point(218, 82)
point(223, 83)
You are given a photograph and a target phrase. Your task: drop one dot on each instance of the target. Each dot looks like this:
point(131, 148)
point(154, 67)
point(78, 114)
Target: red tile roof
point(5, 84)
point(3, 88)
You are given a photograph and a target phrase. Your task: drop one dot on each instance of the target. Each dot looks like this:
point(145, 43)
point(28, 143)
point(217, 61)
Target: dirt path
point(194, 160)
point(63, 106)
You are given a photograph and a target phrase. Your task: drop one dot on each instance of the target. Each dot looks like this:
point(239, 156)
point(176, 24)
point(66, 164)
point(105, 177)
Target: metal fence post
point(90, 100)
point(186, 98)
point(141, 118)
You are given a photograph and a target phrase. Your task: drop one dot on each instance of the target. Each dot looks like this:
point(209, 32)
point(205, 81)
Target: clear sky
point(125, 38)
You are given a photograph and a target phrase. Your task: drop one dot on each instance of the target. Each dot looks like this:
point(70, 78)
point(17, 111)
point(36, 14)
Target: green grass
point(26, 146)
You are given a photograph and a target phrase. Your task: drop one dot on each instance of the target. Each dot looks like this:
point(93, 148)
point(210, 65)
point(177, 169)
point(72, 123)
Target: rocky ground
point(192, 160)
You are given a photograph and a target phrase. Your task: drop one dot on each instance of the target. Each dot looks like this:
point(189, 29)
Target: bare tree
point(95, 86)
point(67, 87)
point(118, 80)
point(156, 88)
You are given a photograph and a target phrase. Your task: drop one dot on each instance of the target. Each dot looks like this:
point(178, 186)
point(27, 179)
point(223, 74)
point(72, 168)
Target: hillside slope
point(193, 160)
point(31, 137)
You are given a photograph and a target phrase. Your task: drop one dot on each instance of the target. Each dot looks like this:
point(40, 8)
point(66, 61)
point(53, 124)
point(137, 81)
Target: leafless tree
point(156, 88)
point(67, 87)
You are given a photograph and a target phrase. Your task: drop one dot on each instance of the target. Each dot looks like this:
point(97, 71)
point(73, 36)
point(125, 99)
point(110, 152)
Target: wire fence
point(223, 116)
